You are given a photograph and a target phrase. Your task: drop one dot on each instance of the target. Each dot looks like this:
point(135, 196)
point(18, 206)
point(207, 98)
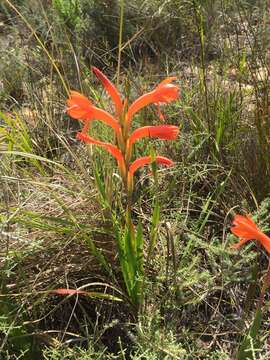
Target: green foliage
point(73, 354)
point(70, 12)
point(16, 137)
point(16, 341)
point(130, 245)
point(155, 341)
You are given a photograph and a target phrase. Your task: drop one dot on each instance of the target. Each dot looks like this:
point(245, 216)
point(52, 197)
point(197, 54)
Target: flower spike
point(245, 228)
point(80, 108)
point(111, 89)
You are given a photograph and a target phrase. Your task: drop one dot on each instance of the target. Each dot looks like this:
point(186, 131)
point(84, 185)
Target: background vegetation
point(54, 229)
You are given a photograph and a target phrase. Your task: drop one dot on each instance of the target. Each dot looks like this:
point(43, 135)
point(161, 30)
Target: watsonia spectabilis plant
point(129, 240)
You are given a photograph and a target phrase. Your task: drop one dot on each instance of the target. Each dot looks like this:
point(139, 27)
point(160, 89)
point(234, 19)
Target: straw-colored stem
point(121, 23)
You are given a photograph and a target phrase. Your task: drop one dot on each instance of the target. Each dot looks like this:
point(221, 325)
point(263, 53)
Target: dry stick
point(200, 30)
point(120, 40)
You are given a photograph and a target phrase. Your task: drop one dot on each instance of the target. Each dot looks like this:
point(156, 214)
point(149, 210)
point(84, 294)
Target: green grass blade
point(154, 229)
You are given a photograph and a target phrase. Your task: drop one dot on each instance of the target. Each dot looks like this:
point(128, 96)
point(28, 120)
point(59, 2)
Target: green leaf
point(250, 341)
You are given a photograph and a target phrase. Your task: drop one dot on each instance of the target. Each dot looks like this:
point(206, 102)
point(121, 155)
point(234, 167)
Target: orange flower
point(79, 107)
point(163, 132)
point(112, 149)
point(165, 92)
point(142, 161)
point(245, 228)
point(107, 118)
point(164, 82)
point(111, 89)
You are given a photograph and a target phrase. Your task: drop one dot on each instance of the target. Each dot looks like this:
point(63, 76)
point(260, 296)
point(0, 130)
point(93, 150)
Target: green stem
point(266, 283)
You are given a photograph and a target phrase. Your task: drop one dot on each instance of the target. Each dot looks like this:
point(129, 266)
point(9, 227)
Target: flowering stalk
point(82, 109)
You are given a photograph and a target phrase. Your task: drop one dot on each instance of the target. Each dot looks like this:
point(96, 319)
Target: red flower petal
point(142, 162)
point(247, 230)
point(165, 92)
point(111, 89)
point(140, 103)
point(79, 107)
point(163, 132)
point(148, 160)
point(107, 118)
point(240, 243)
point(112, 149)
point(168, 80)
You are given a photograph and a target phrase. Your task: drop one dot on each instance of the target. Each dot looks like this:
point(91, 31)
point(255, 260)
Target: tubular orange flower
point(165, 92)
point(79, 107)
point(112, 149)
point(111, 89)
point(163, 132)
point(164, 82)
point(145, 160)
point(86, 126)
point(142, 161)
point(107, 118)
point(245, 228)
